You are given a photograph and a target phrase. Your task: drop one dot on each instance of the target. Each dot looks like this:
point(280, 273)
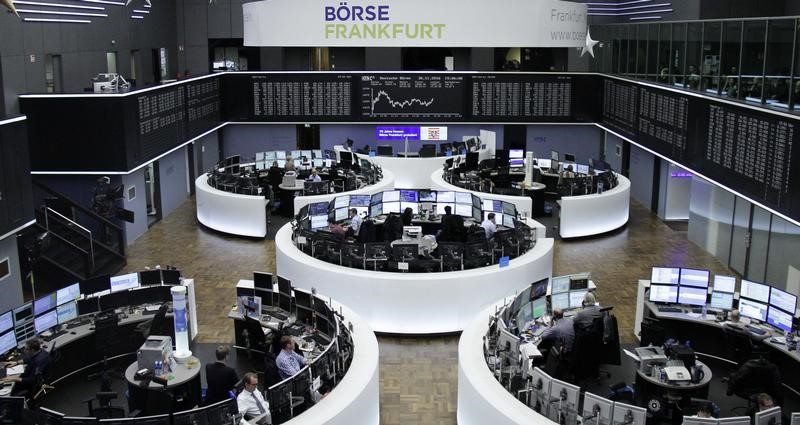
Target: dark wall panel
point(16, 207)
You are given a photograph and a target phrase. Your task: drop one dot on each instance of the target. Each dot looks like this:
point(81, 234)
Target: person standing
point(220, 377)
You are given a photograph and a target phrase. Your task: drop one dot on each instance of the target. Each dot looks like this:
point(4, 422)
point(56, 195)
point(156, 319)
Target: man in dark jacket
point(35, 360)
point(220, 377)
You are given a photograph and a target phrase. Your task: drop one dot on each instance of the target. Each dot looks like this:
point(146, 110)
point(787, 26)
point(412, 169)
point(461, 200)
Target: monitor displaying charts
point(691, 295)
point(559, 284)
point(779, 319)
point(560, 301)
point(754, 291)
point(44, 303)
point(752, 309)
point(783, 300)
point(539, 307)
point(663, 293)
point(391, 196)
point(725, 284)
point(359, 200)
point(694, 277)
point(665, 275)
point(576, 298)
point(464, 210)
point(319, 221)
point(463, 198)
point(341, 201)
point(721, 300)
point(409, 196)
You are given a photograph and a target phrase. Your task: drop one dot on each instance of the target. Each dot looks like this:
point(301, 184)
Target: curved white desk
point(386, 183)
point(355, 400)
point(587, 215)
point(481, 399)
point(524, 204)
point(414, 303)
point(233, 213)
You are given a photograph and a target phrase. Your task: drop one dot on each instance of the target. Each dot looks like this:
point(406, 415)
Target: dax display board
point(407, 97)
point(747, 150)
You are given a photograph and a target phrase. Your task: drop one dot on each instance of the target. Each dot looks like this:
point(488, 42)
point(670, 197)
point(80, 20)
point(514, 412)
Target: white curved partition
point(594, 214)
point(481, 399)
point(386, 183)
point(233, 213)
point(410, 173)
point(355, 399)
point(524, 204)
point(414, 303)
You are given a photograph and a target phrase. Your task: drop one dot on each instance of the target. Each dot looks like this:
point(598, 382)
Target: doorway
point(111, 62)
point(308, 136)
point(750, 240)
point(152, 193)
point(52, 74)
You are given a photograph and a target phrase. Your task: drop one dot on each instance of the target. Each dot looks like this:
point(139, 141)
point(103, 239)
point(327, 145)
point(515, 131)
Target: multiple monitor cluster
point(60, 309)
point(757, 301)
point(220, 413)
point(282, 300)
point(422, 203)
point(428, 150)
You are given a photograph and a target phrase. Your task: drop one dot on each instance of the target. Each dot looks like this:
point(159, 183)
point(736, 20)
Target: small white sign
point(301, 240)
point(433, 133)
point(402, 266)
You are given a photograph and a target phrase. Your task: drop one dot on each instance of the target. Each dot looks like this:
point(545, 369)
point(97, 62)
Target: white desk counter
point(587, 215)
point(414, 303)
point(233, 213)
point(524, 204)
point(386, 183)
point(355, 400)
point(481, 399)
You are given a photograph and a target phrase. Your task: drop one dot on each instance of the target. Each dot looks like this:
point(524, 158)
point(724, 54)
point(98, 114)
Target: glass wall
point(752, 60)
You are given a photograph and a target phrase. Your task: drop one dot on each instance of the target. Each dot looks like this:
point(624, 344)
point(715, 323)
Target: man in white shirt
point(355, 221)
point(314, 177)
point(251, 402)
point(489, 226)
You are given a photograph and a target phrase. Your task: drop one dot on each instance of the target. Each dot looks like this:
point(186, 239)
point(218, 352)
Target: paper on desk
point(631, 355)
point(16, 370)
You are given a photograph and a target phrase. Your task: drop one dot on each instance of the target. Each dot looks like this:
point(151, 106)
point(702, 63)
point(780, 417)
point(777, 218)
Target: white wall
point(676, 188)
point(138, 205)
point(641, 176)
point(11, 286)
point(710, 217)
point(173, 175)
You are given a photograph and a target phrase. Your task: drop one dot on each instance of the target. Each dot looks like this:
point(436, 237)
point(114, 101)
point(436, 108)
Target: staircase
point(80, 244)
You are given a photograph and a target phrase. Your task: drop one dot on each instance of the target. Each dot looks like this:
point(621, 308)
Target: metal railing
point(70, 223)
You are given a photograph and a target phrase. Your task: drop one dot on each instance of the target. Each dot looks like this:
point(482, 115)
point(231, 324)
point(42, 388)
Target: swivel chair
point(105, 410)
point(585, 351)
point(254, 337)
point(353, 255)
point(754, 377)
point(477, 254)
point(739, 342)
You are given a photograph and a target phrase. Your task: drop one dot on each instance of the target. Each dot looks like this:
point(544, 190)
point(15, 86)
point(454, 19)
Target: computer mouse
point(73, 333)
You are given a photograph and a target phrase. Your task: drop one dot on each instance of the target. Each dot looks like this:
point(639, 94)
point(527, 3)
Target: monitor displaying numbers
point(8, 342)
point(6, 321)
point(663, 293)
point(725, 284)
point(67, 312)
point(694, 277)
point(754, 291)
point(692, 296)
point(560, 301)
point(125, 281)
point(665, 275)
point(721, 301)
point(70, 293)
point(45, 321)
point(752, 309)
point(783, 300)
point(779, 319)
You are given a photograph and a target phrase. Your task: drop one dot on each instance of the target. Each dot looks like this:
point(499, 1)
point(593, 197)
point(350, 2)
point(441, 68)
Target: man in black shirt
point(36, 360)
point(220, 377)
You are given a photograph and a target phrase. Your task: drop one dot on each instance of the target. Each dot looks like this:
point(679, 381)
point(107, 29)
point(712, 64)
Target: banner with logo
point(415, 23)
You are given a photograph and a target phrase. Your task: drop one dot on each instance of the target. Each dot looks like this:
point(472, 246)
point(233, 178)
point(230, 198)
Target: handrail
point(83, 251)
point(91, 239)
point(104, 221)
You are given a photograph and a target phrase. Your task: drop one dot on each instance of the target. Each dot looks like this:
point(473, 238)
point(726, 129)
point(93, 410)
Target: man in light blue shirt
point(355, 221)
point(314, 177)
point(288, 362)
point(489, 226)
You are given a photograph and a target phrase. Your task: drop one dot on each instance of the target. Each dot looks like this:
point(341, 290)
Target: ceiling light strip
point(639, 18)
point(618, 4)
point(631, 13)
point(147, 11)
point(113, 3)
point(137, 17)
point(66, 6)
point(620, 9)
point(55, 12)
point(69, 21)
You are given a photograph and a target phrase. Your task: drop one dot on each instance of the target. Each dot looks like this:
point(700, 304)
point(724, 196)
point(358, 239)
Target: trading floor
point(418, 375)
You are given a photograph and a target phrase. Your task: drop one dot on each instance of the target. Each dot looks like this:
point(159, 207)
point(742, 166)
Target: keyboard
point(319, 339)
point(55, 335)
point(668, 309)
point(755, 330)
point(75, 323)
point(697, 310)
point(279, 316)
point(146, 312)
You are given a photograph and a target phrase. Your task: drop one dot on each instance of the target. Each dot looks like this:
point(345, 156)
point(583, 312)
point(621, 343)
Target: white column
point(182, 352)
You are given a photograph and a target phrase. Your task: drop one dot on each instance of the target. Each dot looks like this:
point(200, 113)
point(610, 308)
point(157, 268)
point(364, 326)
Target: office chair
point(366, 233)
point(754, 377)
point(452, 255)
point(254, 337)
point(477, 254)
point(586, 350)
point(353, 255)
point(107, 341)
point(739, 342)
point(105, 410)
point(652, 333)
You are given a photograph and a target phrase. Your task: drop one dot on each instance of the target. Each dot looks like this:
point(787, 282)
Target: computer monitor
point(150, 277)
point(525, 314)
point(413, 205)
point(725, 284)
point(663, 294)
point(464, 210)
point(296, 154)
point(306, 153)
point(262, 280)
point(539, 288)
point(341, 201)
point(743, 420)
point(597, 410)
point(125, 281)
point(770, 416)
point(795, 419)
point(752, 309)
point(302, 298)
point(68, 293)
point(694, 420)
point(281, 163)
point(445, 197)
point(67, 312)
point(319, 163)
point(625, 414)
point(23, 313)
point(44, 303)
point(340, 214)
point(543, 164)
point(409, 196)
point(359, 200)
point(285, 302)
point(779, 319)
point(492, 205)
point(576, 298)
point(721, 301)
point(559, 284)
point(115, 300)
point(539, 307)
point(8, 342)
point(391, 207)
point(554, 155)
point(582, 169)
point(88, 306)
point(345, 157)
point(391, 196)
point(560, 301)
point(692, 296)
point(694, 277)
point(568, 157)
point(540, 384)
point(6, 321)
point(284, 285)
point(665, 275)
point(45, 321)
point(783, 300)
point(754, 291)
point(376, 210)
point(563, 399)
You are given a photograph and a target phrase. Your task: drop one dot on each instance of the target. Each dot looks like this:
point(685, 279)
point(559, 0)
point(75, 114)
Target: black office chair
point(367, 233)
point(477, 254)
point(108, 341)
point(452, 255)
point(586, 350)
point(754, 377)
point(254, 337)
point(652, 333)
point(105, 410)
point(353, 255)
point(739, 342)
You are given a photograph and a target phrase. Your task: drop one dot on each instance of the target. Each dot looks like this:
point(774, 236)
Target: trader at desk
point(562, 330)
point(35, 359)
point(314, 176)
point(355, 222)
point(489, 226)
point(220, 377)
point(251, 402)
point(591, 311)
point(288, 362)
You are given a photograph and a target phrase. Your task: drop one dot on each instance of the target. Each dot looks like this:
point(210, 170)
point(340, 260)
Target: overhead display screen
point(161, 120)
point(301, 96)
point(520, 98)
point(202, 106)
point(412, 96)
